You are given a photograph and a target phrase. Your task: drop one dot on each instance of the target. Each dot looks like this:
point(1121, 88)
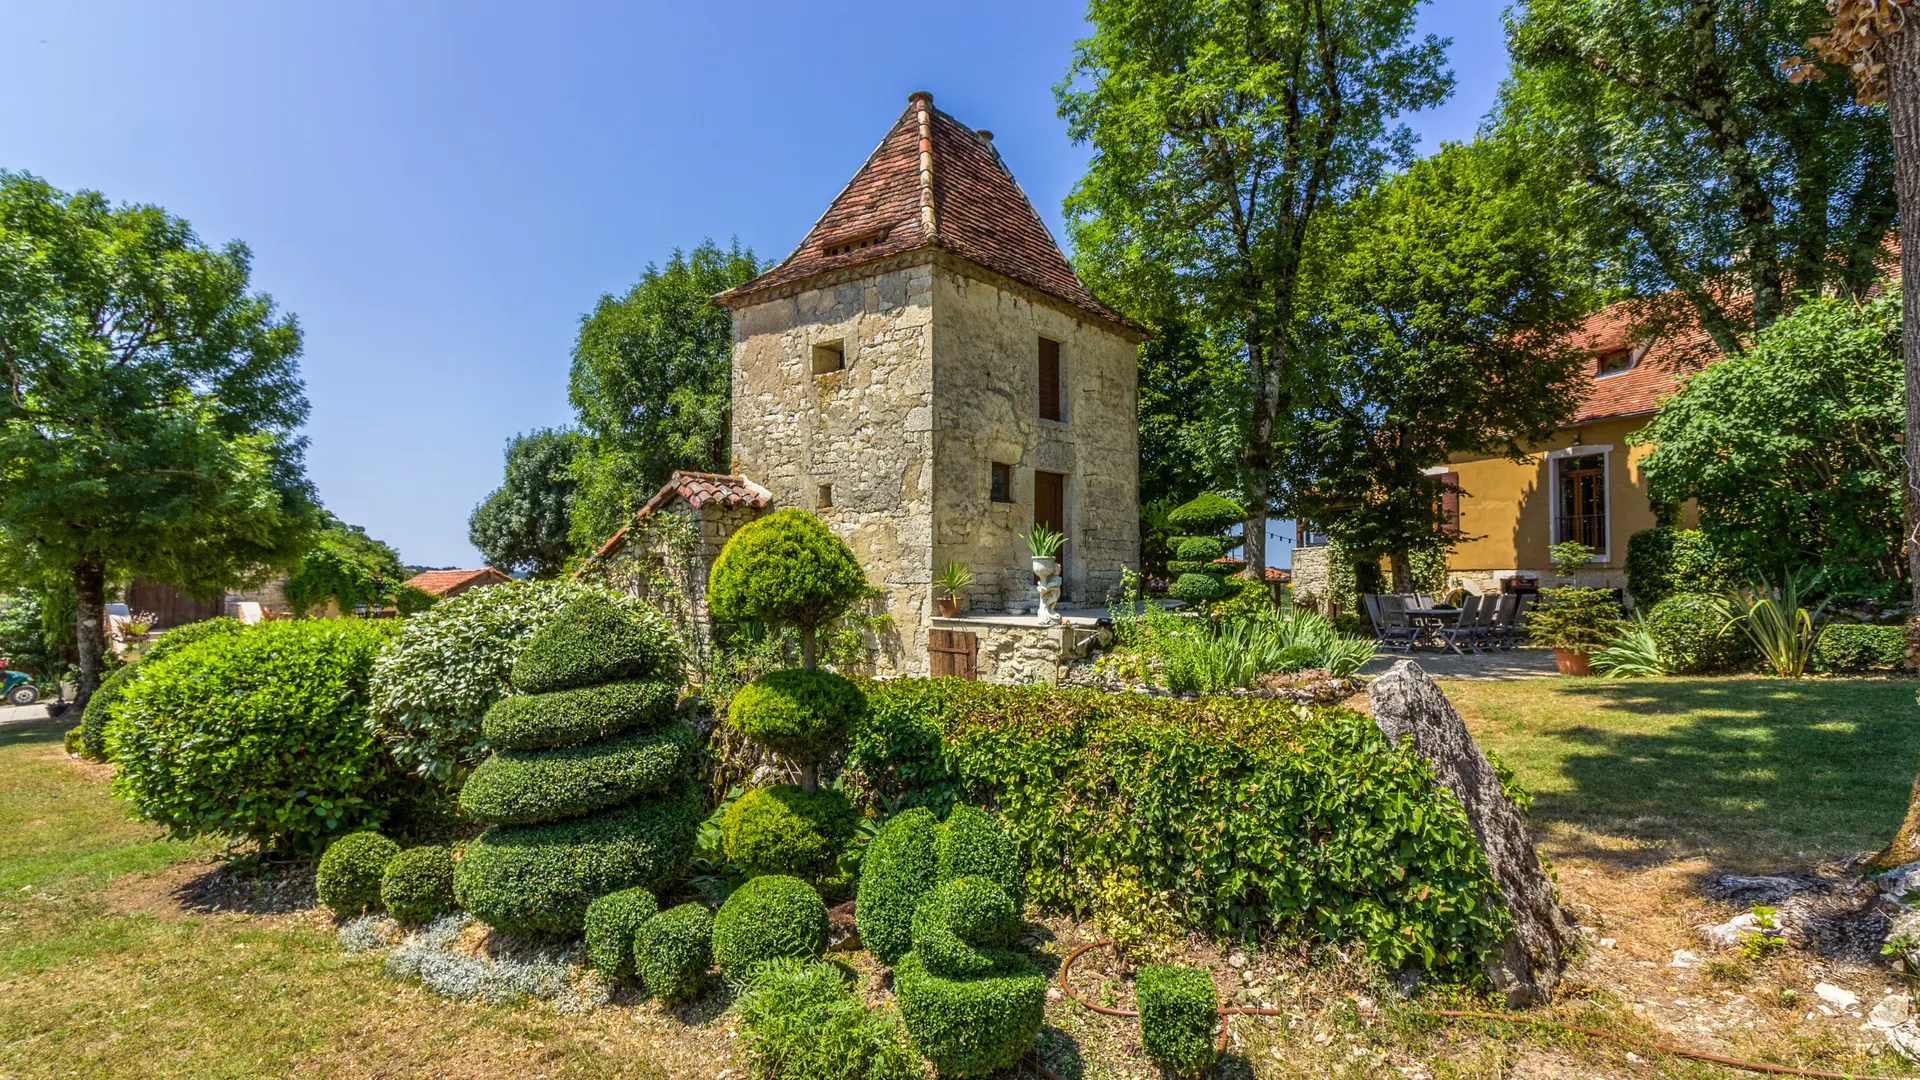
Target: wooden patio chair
point(1504, 633)
point(1391, 628)
point(1466, 630)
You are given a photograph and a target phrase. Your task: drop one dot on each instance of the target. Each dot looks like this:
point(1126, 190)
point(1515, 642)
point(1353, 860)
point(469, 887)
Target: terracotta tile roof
point(978, 212)
point(441, 582)
point(1274, 573)
point(697, 489)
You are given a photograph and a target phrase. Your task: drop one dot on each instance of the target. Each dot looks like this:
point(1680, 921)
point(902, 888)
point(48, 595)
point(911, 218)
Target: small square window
point(826, 496)
point(1002, 483)
point(1612, 363)
point(829, 356)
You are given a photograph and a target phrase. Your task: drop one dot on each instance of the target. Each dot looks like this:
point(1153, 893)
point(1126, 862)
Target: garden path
point(1495, 666)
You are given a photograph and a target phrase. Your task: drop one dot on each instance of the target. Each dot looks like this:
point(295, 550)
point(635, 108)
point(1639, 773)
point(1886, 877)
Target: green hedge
point(786, 830)
point(528, 787)
point(182, 636)
point(595, 639)
point(900, 866)
point(418, 884)
point(1178, 1008)
point(766, 919)
point(673, 950)
point(972, 1026)
point(582, 715)
point(350, 871)
point(613, 926)
point(1850, 647)
point(99, 710)
point(1691, 633)
point(1250, 813)
point(1666, 561)
point(539, 879)
point(800, 715)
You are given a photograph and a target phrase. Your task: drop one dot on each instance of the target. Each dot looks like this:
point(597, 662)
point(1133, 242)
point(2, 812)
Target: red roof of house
point(698, 489)
point(934, 182)
point(441, 582)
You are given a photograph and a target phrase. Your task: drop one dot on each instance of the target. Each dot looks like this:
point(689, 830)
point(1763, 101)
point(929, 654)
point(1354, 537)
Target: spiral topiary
point(971, 1006)
point(1202, 571)
point(786, 829)
point(590, 794)
point(418, 884)
point(673, 951)
point(349, 873)
point(767, 918)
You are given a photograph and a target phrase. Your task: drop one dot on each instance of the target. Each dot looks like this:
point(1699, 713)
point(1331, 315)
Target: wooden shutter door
point(953, 653)
point(1050, 507)
point(1049, 379)
point(1450, 502)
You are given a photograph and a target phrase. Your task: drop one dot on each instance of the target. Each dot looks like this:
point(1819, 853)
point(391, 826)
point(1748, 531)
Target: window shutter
point(1450, 502)
point(1049, 379)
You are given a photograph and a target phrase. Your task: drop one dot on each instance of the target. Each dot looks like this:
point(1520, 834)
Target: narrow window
point(1049, 379)
point(1002, 483)
point(830, 356)
point(1582, 513)
point(826, 496)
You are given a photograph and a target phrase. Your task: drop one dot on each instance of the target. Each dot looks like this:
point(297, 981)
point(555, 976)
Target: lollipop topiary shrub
point(348, 877)
point(1178, 1008)
point(765, 919)
point(800, 715)
point(673, 950)
point(418, 884)
point(1200, 573)
point(785, 569)
point(786, 829)
point(588, 792)
point(613, 925)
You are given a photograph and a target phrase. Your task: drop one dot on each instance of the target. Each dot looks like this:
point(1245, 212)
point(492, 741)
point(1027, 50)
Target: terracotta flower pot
point(1572, 662)
point(948, 606)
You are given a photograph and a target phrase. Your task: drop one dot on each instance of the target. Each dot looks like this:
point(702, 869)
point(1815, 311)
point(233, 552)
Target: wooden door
point(1050, 508)
point(953, 652)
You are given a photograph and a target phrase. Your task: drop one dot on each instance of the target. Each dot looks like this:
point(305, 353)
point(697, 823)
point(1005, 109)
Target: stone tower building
point(926, 373)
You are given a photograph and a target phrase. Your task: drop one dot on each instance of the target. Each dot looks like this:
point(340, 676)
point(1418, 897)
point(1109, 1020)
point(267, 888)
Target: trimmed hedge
point(1691, 633)
point(529, 787)
point(964, 926)
point(1254, 815)
point(1178, 1008)
point(974, 843)
point(418, 884)
point(900, 866)
point(1208, 513)
point(613, 925)
point(99, 710)
point(1851, 647)
point(673, 950)
point(765, 919)
point(182, 636)
point(800, 715)
point(784, 568)
point(581, 715)
point(348, 877)
point(1666, 561)
point(972, 1026)
point(539, 879)
point(594, 640)
point(786, 830)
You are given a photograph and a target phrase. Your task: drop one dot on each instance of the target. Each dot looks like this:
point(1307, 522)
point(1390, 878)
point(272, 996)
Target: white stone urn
point(1046, 579)
point(1044, 567)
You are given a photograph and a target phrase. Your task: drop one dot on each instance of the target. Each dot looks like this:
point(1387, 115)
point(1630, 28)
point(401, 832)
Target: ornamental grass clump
point(579, 805)
point(800, 1020)
point(1200, 563)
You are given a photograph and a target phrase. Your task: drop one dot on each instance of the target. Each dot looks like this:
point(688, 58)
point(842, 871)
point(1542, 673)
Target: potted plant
point(1574, 621)
point(1044, 544)
point(955, 578)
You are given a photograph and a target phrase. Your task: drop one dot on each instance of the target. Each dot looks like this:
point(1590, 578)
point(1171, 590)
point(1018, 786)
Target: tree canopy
point(652, 385)
point(523, 525)
point(149, 424)
point(351, 569)
point(1220, 131)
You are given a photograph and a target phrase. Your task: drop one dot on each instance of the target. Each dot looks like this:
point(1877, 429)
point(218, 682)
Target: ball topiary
point(1691, 633)
point(767, 918)
point(613, 924)
point(973, 843)
point(418, 884)
point(974, 1025)
point(900, 866)
point(785, 568)
point(673, 950)
point(963, 927)
point(539, 879)
point(787, 830)
point(801, 715)
point(1178, 1008)
point(348, 877)
point(1200, 549)
point(1209, 513)
point(582, 715)
point(1196, 587)
point(528, 787)
point(99, 710)
point(595, 639)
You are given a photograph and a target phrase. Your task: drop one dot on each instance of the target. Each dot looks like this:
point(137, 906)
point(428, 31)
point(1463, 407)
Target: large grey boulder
point(1407, 705)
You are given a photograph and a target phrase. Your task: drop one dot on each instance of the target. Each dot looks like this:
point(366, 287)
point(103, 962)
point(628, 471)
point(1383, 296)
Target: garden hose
point(1226, 1014)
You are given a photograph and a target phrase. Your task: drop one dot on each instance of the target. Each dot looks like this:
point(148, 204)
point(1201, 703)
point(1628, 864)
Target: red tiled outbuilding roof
point(442, 582)
point(934, 183)
point(697, 489)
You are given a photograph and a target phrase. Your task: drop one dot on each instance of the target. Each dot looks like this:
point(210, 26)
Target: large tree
point(1221, 130)
point(524, 524)
point(1706, 175)
point(351, 569)
point(151, 404)
point(651, 383)
point(1439, 324)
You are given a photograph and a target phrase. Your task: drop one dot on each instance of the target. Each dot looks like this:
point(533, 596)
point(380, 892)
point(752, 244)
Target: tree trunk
point(1402, 570)
point(808, 649)
point(1255, 541)
point(90, 609)
point(1903, 110)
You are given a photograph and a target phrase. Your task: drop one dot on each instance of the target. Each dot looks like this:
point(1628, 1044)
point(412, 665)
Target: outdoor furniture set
point(1481, 623)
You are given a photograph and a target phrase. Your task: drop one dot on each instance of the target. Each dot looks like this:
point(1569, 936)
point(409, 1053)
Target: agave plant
point(1780, 628)
point(1632, 654)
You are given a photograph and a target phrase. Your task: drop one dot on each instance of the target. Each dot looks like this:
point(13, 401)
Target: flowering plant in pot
point(955, 578)
point(1574, 621)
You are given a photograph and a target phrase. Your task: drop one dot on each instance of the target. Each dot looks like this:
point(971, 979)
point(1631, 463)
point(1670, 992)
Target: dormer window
point(1615, 361)
point(843, 245)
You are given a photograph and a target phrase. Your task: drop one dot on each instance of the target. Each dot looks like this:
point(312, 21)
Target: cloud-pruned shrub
point(786, 829)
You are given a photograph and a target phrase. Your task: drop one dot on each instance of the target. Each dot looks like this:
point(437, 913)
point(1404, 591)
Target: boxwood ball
point(765, 919)
point(348, 877)
point(785, 568)
point(801, 715)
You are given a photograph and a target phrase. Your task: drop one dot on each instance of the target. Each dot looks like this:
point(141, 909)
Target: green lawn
point(1750, 770)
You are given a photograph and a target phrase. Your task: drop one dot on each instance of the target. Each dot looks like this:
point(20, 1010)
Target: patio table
point(1432, 618)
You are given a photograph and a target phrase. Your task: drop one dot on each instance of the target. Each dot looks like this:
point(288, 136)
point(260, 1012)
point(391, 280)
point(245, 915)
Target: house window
point(1049, 379)
point(1307, 534)
point(1580, 500)
point(826, 496)
point(1002, 483)
point(829, 356)
point(1615, 362)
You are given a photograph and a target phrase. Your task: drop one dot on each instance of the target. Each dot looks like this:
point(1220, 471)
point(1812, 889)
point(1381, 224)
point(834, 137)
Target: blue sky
point(440, 190)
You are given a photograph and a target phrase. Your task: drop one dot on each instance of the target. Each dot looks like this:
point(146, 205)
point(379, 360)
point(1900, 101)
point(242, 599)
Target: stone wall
point(1310, 575)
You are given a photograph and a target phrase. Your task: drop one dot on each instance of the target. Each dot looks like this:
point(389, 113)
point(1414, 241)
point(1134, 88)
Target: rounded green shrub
point(582, 715)
point(975, 1025)
point(1691, 632)
point(784, 568)
point(99, 710)
point(613, 925)
point(785, 829)
point(1202, 566)
point(973, 843)
point(539, 879)
point(1178, 1008)
point(596, 639)
point(801, 715)
point(963, 927)
point(765, 919)
point(529, 787)
point(1195, 588)
point(182, 636)
point(418, 884)
point(1201, 549)
point(1850, 647)
point(673, 950)
point(900, 867)
point(1296, 658)
point(259, 734)
point(1209, 513)
point(350, 871)
point(73, 741)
